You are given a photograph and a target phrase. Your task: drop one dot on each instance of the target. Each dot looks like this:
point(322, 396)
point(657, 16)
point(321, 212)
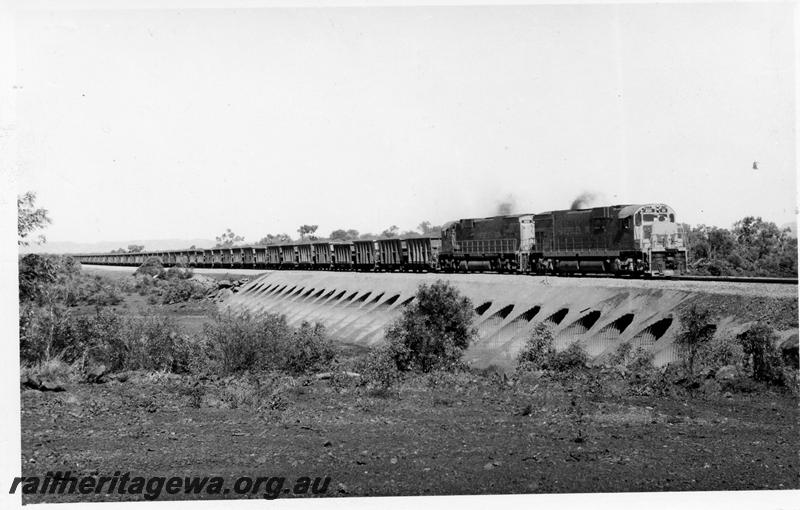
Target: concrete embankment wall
point(599, 313)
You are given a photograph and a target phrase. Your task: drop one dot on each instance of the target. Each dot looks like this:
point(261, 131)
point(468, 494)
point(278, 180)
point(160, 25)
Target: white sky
point(181, 123)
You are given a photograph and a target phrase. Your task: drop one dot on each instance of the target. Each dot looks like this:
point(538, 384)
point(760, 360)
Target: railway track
point(739, 279)
point(691, 278)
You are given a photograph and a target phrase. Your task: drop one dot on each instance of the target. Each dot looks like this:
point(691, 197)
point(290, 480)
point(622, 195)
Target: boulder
point(223, 294)
point(30, 381)
point(96, 374)
point(203, 281)
point(49, 384)
point(224, 284)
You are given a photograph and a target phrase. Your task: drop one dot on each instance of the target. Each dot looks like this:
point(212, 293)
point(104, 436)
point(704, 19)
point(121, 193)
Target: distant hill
point(106, 246)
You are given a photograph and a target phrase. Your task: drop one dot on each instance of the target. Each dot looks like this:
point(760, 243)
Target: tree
point(343, 235)
point(30, 218)
point(695, 331)
point(434, 330)
point(275, 239)
point(228, 239)
point(391, 231)
point(428, 229)
point(307, 232)
point(135, 248)
point(759, 343)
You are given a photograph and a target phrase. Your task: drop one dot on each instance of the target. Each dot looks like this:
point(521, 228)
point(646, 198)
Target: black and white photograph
point(384, 254)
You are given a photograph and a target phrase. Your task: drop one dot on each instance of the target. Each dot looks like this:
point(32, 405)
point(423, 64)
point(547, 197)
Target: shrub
point(152, 267)
point(177, 291)
point(570, 359)
point(179, 272)
point(46, 332)
point(433, 331)
point(719, 352)
point(241, 342)
point(308, 349)
point(695, 331)
point(538, 349)
point(102, 337)
point(759, 345)
point(156, 342)
point(539, 353)
point(378, 370)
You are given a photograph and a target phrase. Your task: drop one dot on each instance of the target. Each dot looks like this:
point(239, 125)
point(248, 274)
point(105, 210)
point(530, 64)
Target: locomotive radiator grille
point(483, 246)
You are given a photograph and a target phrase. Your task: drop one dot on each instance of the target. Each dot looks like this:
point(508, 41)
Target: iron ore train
point(638, 240)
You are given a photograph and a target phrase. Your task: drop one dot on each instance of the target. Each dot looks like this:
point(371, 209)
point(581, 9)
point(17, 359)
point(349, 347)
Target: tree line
point(753, 247)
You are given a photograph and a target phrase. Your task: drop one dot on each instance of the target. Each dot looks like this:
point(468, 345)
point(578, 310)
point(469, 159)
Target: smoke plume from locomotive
point(507, 206)
point(583, 200)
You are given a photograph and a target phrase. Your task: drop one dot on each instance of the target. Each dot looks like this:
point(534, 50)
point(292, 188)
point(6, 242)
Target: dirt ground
point(471, 434)
point(472, 437)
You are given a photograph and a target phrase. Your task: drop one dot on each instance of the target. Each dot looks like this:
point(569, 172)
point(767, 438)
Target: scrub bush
point(433, 331)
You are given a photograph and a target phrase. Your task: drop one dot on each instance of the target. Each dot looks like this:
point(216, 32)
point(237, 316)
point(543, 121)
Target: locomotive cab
point(658, 236)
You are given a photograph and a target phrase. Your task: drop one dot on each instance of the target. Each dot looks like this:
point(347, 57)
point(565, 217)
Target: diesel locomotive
point(618, 239)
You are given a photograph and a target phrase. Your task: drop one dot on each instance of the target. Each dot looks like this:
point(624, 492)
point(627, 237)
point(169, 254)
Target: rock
point(526, 411)
point(327, 444)
point(51, 385)
point(223, 294)
point(96, 374)
point(204, 281)
point(224, 284)
point(351, 374)
point(31, 381)
point(727, 373)
point(488, 466)
point(323, 375)
point(342, 489)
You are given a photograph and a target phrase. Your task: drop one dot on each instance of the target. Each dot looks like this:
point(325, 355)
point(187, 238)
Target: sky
point(180, 123)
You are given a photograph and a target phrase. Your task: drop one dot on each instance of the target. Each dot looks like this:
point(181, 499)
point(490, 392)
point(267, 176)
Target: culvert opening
point(482, 308)
point(652, 333)
point(658, 329)
point(588, 320)
point(288, 292)
point(557, 317)
point(351, 296)
point(277, 290)
point(318, 294)
point(494, 321)
point(503, 312)
point(579, 327)
point(529, 314)
point(308, 293)
point(338, 296)
point(363, 298)
point(407, 301)
point(391, 300)
point(376, 299)
point(298, 292)
point(622, 323)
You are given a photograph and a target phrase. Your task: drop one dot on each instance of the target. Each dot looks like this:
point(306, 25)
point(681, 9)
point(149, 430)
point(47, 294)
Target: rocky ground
point(466, 435)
